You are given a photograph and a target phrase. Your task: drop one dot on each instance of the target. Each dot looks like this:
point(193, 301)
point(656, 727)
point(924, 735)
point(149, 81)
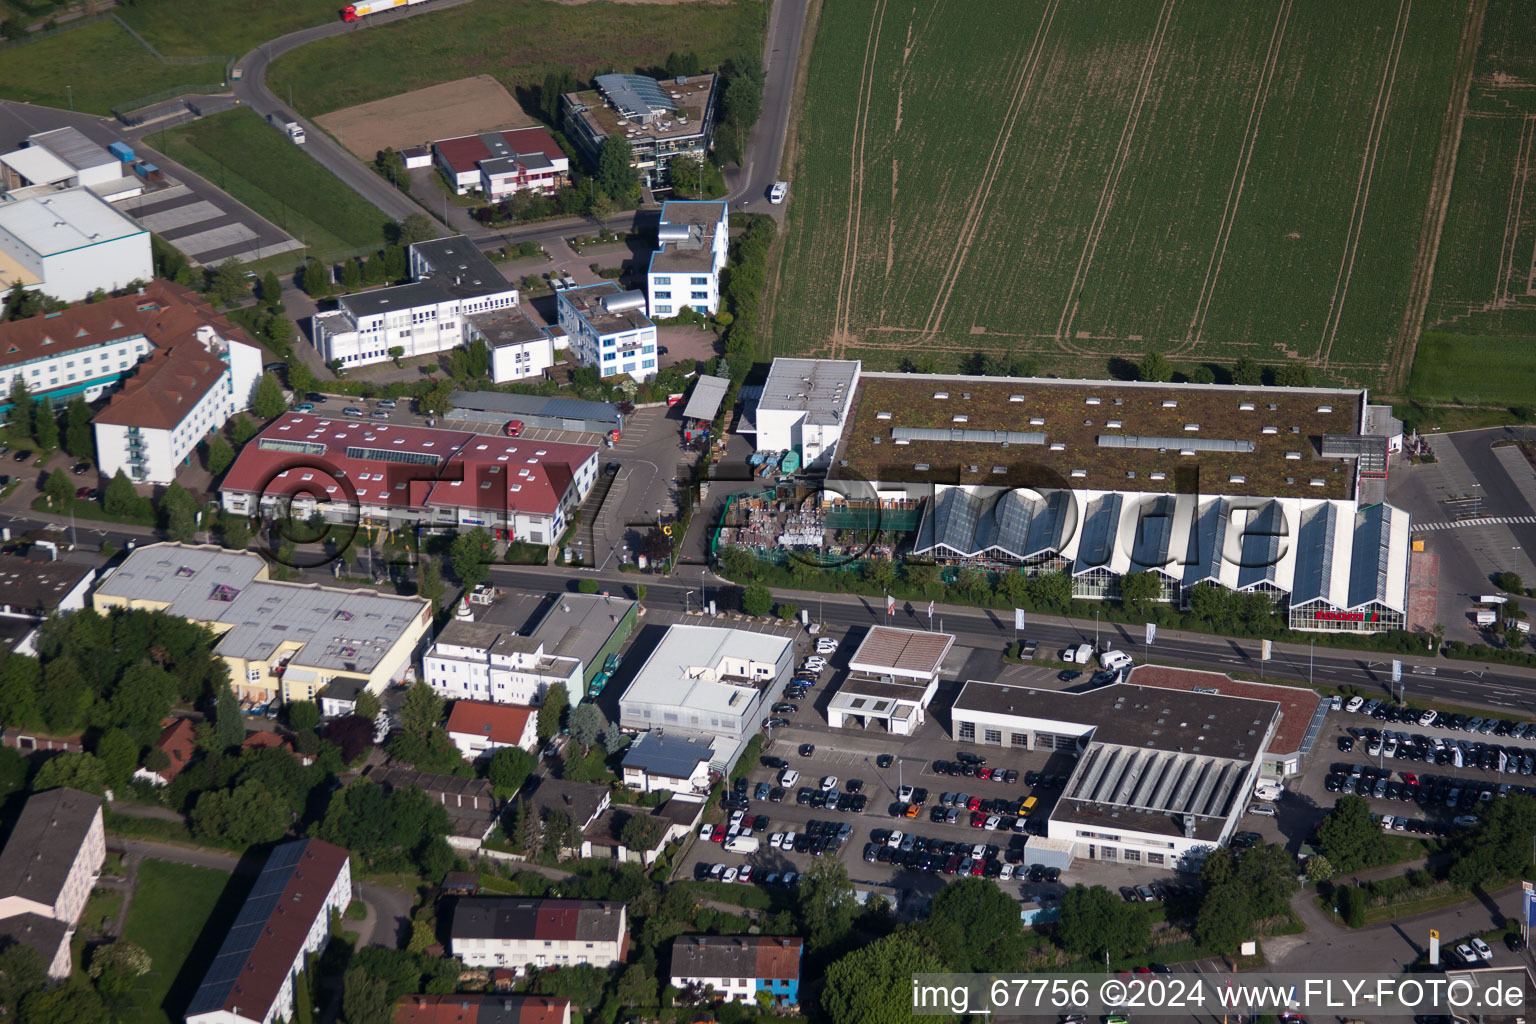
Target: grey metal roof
point(457, 264)
point(1314, 555)
point(537, 405)
point(1370, 557)
point(1154, 531)
point(401, 296)
point(708, 393)
point(1189, 441)
point(958, 434)
point(1101, 526)
point(579, 625)
point(666, 754)
point(635, 95)
point(1207, 540)
point(73, 147)
point(821, 388)
point(1261, 545)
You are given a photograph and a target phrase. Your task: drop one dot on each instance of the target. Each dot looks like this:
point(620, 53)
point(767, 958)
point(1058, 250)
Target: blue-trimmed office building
point(606, 327)
point(684, 271)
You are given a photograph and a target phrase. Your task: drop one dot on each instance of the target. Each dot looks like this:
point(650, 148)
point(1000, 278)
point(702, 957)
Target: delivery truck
point(353, 12)
point(288, 126)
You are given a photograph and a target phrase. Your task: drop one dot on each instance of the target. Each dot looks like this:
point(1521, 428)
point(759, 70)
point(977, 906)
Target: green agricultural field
point(255, 163)
point(1464, 369)
point(518, 41)
point(198, 28)
point(172, 906)
point(102, 65)
point(1485, 273)
point(1086, 181)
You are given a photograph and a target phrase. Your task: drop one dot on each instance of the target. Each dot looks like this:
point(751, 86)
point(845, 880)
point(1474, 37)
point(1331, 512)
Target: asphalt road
point(749, 183)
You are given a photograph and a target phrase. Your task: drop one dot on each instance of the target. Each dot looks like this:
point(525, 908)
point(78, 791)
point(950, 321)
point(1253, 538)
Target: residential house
point(661, 760)
point(474, 1008)
point(738, 967)
point(480, 728)
point(519, 933)
point(178, 742)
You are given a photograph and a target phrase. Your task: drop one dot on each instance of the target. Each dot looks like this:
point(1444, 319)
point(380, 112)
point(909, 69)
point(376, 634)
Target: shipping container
point(1487, 617)
point(122, 151)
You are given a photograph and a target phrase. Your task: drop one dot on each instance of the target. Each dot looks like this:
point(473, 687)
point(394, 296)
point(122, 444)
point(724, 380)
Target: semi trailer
point(363, 8)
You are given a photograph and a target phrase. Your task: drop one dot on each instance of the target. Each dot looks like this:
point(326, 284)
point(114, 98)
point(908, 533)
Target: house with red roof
point(516, 932)
point(286, 917)
point(178, 741)
point(480, 728)
point(469, 1008)
point(501, 163)
point(738, 967)
point(385, 474)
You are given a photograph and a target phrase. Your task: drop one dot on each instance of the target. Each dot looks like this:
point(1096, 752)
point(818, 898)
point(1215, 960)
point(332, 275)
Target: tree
point(1509, 582)
point(142, 698)
point(552, 711)
point(510, 767)
point(1247, 373)
point(1319, 868)
point(249, 814)
point(756, 600)
point(429, 583)
point(396, 352)
point(79, 436)
point(19, 419)
point(1155, 367)
point(301, 380)
point(228, 284)
point(366, 706)
point(1349, 837)
point(59, 488)
point(826, 904)
point(228, 721)
point(615, 171)
point(977, 925)
point(1139, 589)
point(1050, 589)
point(77, 771)
point(1094, 920)
point(640, 592)
point(470, 554)
point(351, 274)
point(271, 290)
point(179, 510)
point(118, 753)
point(1225, 919)
point(417, 227)
point(242, 429)
point(421, 710)
point(586, 724)
point(1293, 375)
point(73, 1002)
point(218, 455)
point(45, 425)
point(237, 533)
point(556, 84)
point(1351, 904)
point(1499, 846)
point(115, 966)
point(22, 972)
point(643, 832)
point(268, 402)
point(316, 281)
point(740, 104)
point(364, 998)
point(872, 984)
point(1202, 374)
point(1267, 875)
point(559, 833)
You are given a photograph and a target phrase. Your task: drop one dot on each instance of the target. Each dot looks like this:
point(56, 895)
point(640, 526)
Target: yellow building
point(287, 640)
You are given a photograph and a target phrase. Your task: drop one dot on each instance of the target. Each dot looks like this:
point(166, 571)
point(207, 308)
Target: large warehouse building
point(1251, 489)
point(1162, 777)
point(70, 244)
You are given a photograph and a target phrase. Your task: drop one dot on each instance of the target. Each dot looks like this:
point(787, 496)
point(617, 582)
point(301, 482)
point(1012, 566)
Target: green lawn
point(1081, 182)
point(1466, 369)
point(517, 41)
point(255, 163)
point(198, 28)
point(170, 914)
point(102, 65)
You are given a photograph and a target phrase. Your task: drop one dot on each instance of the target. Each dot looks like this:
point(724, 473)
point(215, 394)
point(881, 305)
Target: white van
point(1112, 660)
point(741, 844)
point(1078, 655)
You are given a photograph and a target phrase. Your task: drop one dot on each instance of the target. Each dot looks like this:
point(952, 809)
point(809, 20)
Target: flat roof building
point(70, 244)
point(892, 677)
point(684, 272)
point(550, 412)
point(708, 682)
point(520, 348)
point(660, 760)
point(32, 589)
point(661, 120)
point(607, 329)
point(288, 639)
point(804, 407)
point(497, 164)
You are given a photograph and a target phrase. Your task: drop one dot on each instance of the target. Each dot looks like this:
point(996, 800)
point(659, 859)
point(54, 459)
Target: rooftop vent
point(1318, 481)
point(882, 415)
point(1091, 401)
point(940, 395)
point(1191, 426)
point(1037, 421)
point(1325, 408)
point(1271, 430)
point(1078, 474)
point(1015, 398)
point(1169, 403)
point(1237, 478)
point(1293, 455)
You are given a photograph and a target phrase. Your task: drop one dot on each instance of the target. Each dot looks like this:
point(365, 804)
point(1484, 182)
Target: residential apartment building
point(69, 244)
point(472, 1008)
point(568, 645)
point(684, 271)
point(51, 859)
point(286, 917)
point(380, 474)
point(497, 164)
point(607, 328)
point(519, 933)
point(479, 728)
point(737, 967)
point(451, 280)
point(287, 640)
point(661, 120)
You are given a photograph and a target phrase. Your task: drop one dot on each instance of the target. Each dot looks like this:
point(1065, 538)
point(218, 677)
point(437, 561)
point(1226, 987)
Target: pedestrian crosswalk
point(1479, 521)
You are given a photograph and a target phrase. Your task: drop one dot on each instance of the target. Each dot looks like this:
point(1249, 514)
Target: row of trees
point(41, 423)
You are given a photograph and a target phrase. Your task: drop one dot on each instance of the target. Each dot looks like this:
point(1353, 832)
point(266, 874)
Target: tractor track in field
point(1239, 181)
point(1363, 184)
point(1111, 183)
point(841, 330)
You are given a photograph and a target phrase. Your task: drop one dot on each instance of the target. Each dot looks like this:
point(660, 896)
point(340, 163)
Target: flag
point(930, 609)
point(1268, 650)
point(1151, 633)
point(890, 605)
point(1397, 671)
point(1456, 756)
point(1503, 760)
point(1018, 618)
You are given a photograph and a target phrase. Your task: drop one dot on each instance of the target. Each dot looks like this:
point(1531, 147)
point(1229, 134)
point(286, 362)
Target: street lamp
point(1095, 629)
point(703, 589)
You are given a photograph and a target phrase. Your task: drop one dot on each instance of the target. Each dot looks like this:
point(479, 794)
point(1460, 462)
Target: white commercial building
point(500, 163)
point(1162, 776)
point(286, 918)
point(520, 348)
point(891, 679)
point(452, 280)
point(685, 269)
point(61, 158)
point(607, 328)
point(69, 244)
point(804, 407)
point(711, 683)
point(519, 933)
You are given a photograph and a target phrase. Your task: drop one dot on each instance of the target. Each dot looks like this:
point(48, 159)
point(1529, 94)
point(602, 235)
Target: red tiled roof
point(499, 723)
point(737, 956)
point(164, 313)
point(471, 471)
point(481, 1009)
point(1297, 704)
point(166, 387)
point(178, 740)
point(465, 152)
point(265, 739)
